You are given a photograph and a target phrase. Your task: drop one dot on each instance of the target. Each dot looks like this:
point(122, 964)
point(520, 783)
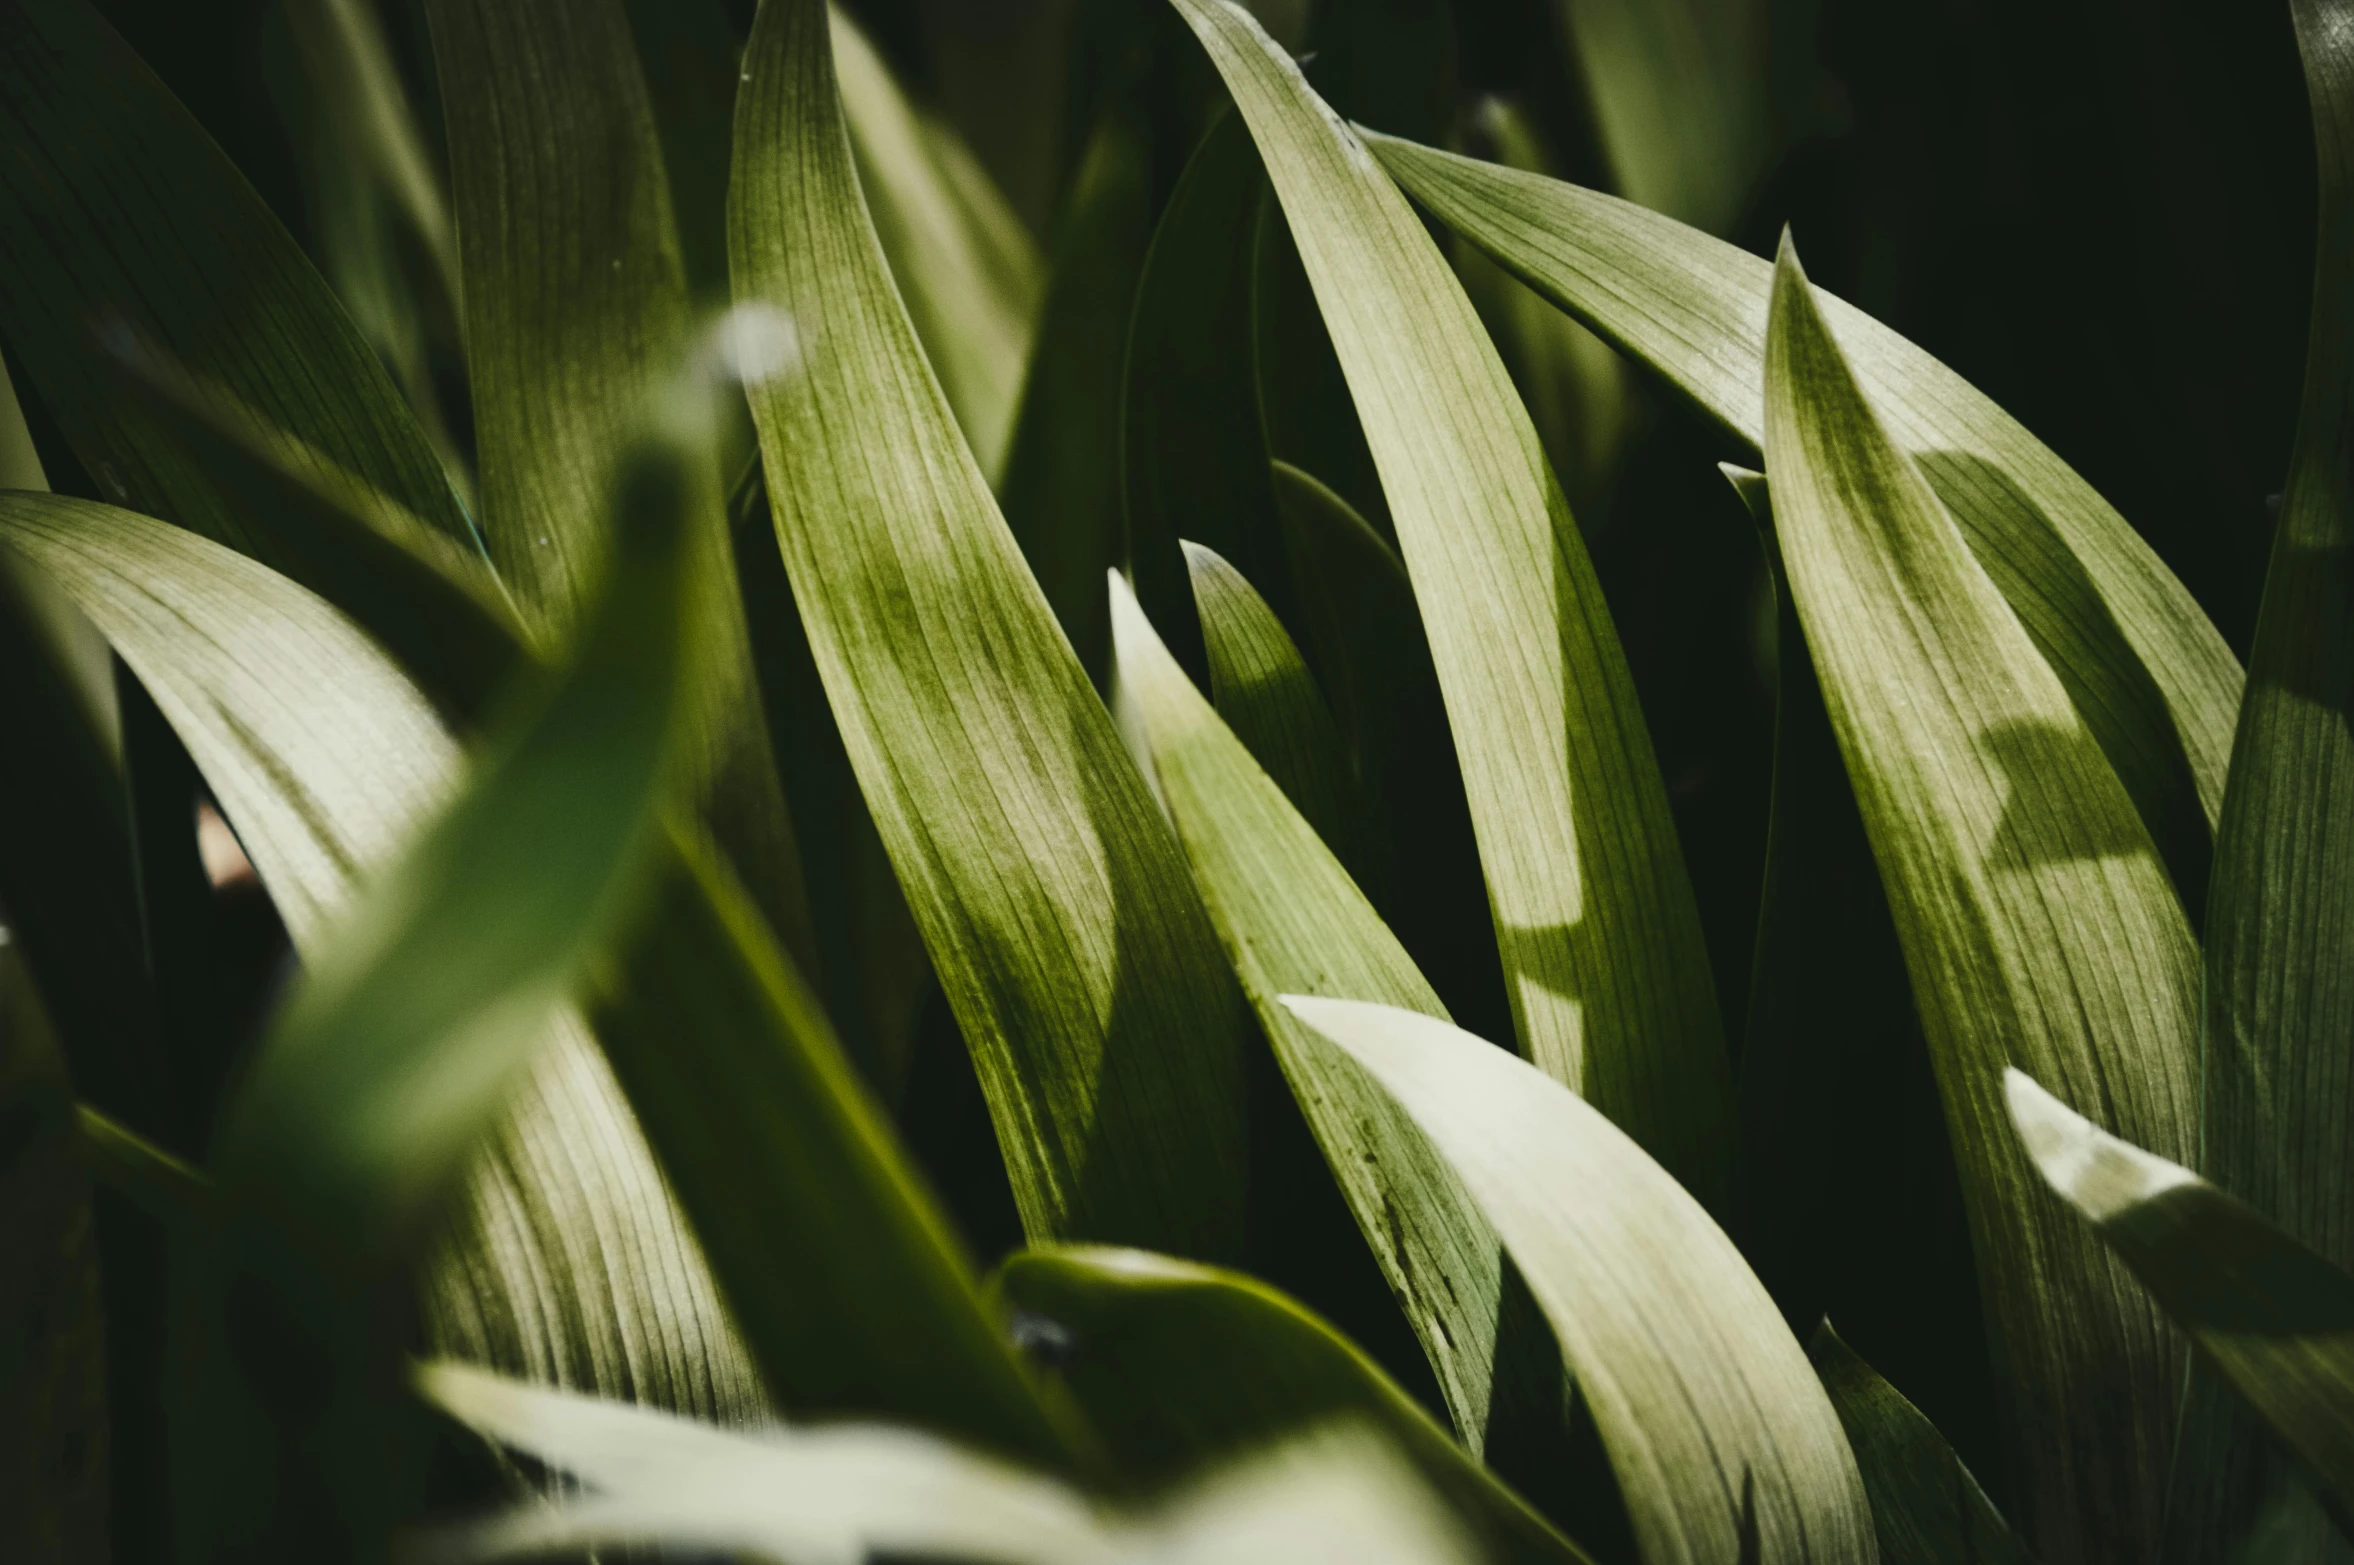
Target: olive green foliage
point(820, 781)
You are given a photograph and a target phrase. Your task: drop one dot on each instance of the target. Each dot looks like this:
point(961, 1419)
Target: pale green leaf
point(1601, 941)
point(1927, 1507)
point(852, 1492)
point(2037, 922)
point(1725, 1445)
point(969, 273)
point(2150, 674)
point(2273, 1315)
point(1180, 1366)
point(1052, 897)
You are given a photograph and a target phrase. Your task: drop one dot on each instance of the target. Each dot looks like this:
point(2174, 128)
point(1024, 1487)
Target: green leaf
point(124, 217)
point(1263, 692)
point(2280, 921)
point(1051, 895)
point(969, 273)
point(1725, 1445)
point(1061, 490)
point(567, 1249)
point(1363, 637)
point(2275, 1316)
point(167, 1189)
point(1926, 1506)
point(1193, 461)
point(2036, 919)
point(1292, 920)
point(2139, 658)
point(851, 1292)
point(851, 1492)
point(1182, 1366)
point(1594, 916)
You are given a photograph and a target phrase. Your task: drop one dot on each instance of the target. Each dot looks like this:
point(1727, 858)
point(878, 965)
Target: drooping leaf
point(850, 1290)
point(576, 316)
point(1193, 461)
point(2035, 916)
point(1362, 634)
point(1051, 895)
point(2151, 676)
point(1180, 1367)
point(1263, 692)
point(121, 215)
point(1724, 1443)
point(1927, 1508)
point(1061, 490)
point(1291, 919)
point(2273, 1315)
point(968, 272)
point(325, 760)
point(820, 1496)
point(1601, 941)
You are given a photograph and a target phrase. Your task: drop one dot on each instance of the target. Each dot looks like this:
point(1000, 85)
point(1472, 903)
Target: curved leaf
point(2150, 674)
point(325, 760)
point(1725, 1446)
point(1181, 1366)
point(1051, 895)
point(2273, 1315)
point(1594, 916)
point(969, 273)
point(1926, 1506)
point(2036, 920)
point(118, 212)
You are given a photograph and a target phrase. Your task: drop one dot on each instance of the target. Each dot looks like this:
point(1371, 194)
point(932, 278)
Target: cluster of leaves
point(1179, 656)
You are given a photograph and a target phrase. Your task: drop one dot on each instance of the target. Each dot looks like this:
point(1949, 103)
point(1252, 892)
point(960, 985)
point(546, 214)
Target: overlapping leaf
point(2150, 675)
point(1724, 1444)
point(1601, 941)
point(2036, 919)
point(1052, 897)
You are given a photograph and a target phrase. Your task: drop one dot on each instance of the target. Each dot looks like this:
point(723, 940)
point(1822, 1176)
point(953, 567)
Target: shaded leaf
point(1051, 895)
point(2275, 1317)
point(1926, 1506)
point(2036, 919)
point(2150, 675)
point(1183, 1366)
point(1601, 941)
point(1724, 1444)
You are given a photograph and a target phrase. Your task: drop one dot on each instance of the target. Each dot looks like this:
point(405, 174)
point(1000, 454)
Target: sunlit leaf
point(1724, 1443)
point(1601, 941)
point(2036, 919)
point(1051, 895)
point(1182, 1366)
point(2150, 675)
point(2275, 1317)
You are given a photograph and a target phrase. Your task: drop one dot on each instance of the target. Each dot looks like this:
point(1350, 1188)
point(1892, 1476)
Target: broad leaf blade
point(2036, 919)
point(1182, 1366)
point(2151, 675)
point(2273, 1315)
point(120, 214)
point(1926, 1506)
point(1601, 940)
point(1725, 1446)
point(1054, 901)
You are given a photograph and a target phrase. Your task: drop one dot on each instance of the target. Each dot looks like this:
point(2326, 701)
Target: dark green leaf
point(1050, 892)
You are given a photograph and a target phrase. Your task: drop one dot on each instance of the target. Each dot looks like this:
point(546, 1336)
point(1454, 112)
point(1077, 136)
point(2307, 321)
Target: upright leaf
point(2152, 677)
point(119, 213)
point(2273, 1315)
point(1182, 1366)
point(1601, 941)
point(1725, 1446)
point(969, 273)
point(2036, 919)
point(1051, 895)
